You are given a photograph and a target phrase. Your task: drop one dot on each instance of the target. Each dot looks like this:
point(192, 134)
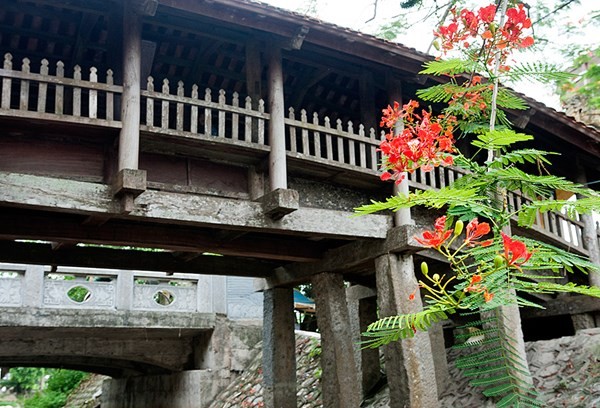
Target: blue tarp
point(300, 298)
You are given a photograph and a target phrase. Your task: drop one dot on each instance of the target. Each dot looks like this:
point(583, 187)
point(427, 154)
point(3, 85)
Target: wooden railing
point(222, 119)
point(56, 96)
point(337, 146)
point(189, 115)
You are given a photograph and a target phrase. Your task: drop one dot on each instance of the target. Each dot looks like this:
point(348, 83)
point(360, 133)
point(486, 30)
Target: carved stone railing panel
point(164, 296)
point(11, 288)
point(79, 293)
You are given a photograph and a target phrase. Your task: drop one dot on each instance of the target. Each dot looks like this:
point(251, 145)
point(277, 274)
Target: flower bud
point(458, 228)
point(498, 262)
point(436, 277)
point(424, 268)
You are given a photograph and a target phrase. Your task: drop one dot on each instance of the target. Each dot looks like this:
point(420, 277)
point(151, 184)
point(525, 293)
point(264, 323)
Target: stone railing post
point(33, 286)
point(125, 283)
point(204, 288)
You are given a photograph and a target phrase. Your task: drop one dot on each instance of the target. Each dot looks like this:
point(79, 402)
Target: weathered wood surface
point(80, 197)
point(565, 305)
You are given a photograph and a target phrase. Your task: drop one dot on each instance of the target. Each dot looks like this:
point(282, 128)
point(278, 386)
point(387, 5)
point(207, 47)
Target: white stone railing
point(76, 288)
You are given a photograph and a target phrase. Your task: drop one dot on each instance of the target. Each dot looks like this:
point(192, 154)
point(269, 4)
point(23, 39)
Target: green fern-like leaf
point(538, 71)
point(497, 139)
point(528, 212)
point(508, 100)
point(450, 67)
point(519, 157)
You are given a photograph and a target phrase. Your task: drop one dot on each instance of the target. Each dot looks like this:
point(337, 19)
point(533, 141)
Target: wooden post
point(277, 158)
point(132, 70)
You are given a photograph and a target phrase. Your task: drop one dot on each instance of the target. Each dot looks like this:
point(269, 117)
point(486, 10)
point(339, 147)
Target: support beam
point(277, 157)
point(409, 364)
point(279, 349)
point(181, 209)
point(340, 377)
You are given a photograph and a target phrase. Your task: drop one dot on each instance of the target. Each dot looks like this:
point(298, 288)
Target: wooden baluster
point(235, 118)
point(328, 141)
point(340, 141)
point(293, 147)
point(433, 178)
point(179, 118)
point(221, 113)
point(451, 176)
point(150, 103)
point(248, 120)
point(261, 122)
point(43, 88)
point(194, 111)
point(373, 149)
point(362, 147)
point(59, 97)
point(77, 92)
point(24, 96)
point(164, 114)
point(207, 113)
point(442, 176)
point(316, 135)
point(110, 97)
point(351, 145)
point(6, 82)
point(93, 95)
point(304, 133)
point(518, 202)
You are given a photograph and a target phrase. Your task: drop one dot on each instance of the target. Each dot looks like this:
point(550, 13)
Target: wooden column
point(408, 363)
point(130, 181)
point(339, 380)
point(277, 158)
point(129, 138)
point(279, 349)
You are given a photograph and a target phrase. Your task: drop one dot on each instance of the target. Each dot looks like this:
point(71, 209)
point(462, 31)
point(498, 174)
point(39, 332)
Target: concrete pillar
point(33, 286)
point(362, 309)
point(277, 157)
point(279, 349)
point(408, 363)
point(129, 139)
point(440, 360)
point(340, 377)
point(125, 290)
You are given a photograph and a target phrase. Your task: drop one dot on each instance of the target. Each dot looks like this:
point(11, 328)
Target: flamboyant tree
point(488, 267)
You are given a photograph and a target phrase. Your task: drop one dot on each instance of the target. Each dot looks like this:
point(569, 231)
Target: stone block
point(280, 202)
point(130, 181)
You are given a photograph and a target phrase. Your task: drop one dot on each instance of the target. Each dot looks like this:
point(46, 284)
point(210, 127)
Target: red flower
point(476, 230)
point(475, 279)
point(412, 296)
point(487, 296)
point(487, 14)
point(435, 239)
point(515, 252)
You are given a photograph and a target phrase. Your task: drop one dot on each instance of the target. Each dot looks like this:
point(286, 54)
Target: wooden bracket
point(130, 181)
point(280, 202)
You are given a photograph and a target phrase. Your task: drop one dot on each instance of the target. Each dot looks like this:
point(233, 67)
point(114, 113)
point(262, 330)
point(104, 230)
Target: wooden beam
point(351, 258)
point(566, 305)
point(61, 195)
point(28, 225)
point(113, 258)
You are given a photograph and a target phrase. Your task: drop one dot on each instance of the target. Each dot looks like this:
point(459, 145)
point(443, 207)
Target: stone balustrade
point(75, 288)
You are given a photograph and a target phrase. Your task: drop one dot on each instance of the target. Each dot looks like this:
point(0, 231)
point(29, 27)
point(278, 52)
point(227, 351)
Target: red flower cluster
point(435, 238)
point(515, 252)
point(475, 286)
point(425, 142)
point(476, 230)
point(467, 27)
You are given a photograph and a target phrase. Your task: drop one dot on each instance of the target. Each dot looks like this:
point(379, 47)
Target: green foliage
point(394, 328)
point(452, 66)
point(65, 380)
point(60, 384)
point(49, 399)
point(23, 379)
point(499, 139)
point(529, 211)
point(494, 364)
point(587, 83)
point(536, 72)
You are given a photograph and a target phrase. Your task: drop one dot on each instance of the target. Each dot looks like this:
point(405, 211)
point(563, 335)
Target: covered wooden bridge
point(227, 126)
